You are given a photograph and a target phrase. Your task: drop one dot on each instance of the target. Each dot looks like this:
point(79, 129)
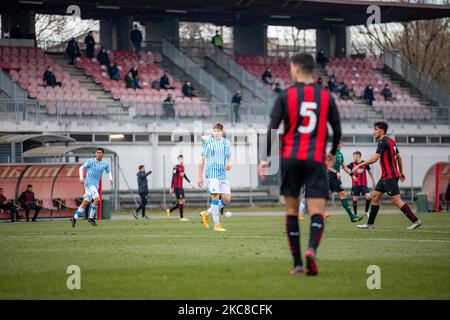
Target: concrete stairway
point(114, 108)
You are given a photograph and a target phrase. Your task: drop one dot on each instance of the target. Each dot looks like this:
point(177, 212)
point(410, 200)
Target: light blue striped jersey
point(95, 171)
point(217, 152)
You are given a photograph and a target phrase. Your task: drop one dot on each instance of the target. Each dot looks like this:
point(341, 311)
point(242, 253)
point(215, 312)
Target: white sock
point(92, 212)
point(80, 212)
point(215, 212)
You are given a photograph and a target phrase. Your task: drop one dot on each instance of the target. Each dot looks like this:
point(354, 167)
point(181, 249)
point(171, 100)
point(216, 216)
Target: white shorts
point(90, 193)
point(216, 186)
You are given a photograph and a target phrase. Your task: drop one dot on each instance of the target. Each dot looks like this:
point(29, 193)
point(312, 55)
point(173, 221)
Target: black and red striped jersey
point(388, 150)
point(305, 110)
point(177, 177)
point(360, 174)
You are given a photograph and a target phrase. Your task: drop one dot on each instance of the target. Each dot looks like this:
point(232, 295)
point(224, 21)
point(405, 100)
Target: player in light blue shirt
point(94, 172)
point(216, 154)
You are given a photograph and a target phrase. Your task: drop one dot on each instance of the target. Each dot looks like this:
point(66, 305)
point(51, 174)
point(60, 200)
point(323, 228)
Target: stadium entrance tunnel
point(435, 185)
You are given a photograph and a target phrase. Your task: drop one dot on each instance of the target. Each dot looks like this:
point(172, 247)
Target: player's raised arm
point(374, 158)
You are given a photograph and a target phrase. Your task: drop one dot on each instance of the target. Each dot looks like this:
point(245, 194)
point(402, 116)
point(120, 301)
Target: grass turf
point(159, 259)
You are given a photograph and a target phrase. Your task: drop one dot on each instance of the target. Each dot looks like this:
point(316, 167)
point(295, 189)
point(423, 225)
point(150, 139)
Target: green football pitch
point(160, 259)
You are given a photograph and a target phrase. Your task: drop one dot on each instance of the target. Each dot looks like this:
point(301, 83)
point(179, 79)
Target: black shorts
point(179, 194)
point(296, 173)
point(389, 186)
point(360, 190)
point(335, 183)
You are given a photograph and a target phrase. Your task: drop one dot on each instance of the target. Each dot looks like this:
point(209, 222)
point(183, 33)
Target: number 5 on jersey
point(307, 111)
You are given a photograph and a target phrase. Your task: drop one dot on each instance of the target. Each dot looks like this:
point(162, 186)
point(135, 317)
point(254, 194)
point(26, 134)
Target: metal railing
point(239, 73)
point(194, 70)
point(11, 88)
point(427, 86)
point(143, 113)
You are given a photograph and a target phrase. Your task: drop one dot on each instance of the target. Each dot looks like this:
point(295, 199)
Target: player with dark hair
point(142, 190)
point(178, 174)
point(359, 185)
point(334, 178)
point(391, 171)
point(305, 110)
point(94, 168)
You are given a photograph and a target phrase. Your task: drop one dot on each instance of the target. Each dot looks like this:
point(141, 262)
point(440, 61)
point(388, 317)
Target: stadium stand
point(148, 100)
point(26, 66)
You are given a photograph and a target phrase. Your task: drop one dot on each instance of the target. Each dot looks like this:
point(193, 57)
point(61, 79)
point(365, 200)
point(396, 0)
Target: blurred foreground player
point(389, 156)
point(305, 110)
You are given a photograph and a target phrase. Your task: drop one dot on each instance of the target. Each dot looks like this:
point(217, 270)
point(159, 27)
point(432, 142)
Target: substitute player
point(389, 156)
point(334, 177)
point(94, 168)
point(305, 109)
point(359, 186)
point(178, 174)
point(216, 154)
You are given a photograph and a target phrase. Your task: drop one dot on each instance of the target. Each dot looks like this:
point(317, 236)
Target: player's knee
point(226, 198)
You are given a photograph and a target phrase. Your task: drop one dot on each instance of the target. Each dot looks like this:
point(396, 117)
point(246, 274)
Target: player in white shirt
point(216, 155)
point(94, 168)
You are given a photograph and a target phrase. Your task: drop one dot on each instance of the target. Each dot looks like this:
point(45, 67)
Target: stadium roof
point(59, 151)
point(300, 13)
point(40, 138)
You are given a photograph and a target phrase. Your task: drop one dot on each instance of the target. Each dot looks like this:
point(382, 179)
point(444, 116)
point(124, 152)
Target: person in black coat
point(8, 206)
point(142, 190)
point(164, 82)
point(236, 103)
point(28, 203)
point(345, 92)
point(369, 94)
point(50, 79)
point(136, 38)
point(16, 32)
point(267, 76)
point(188, 90)
point(168, 106)
point(103, 58)
point(113, 71)
point(90, 45)
point(387, 93)
point(73, 50)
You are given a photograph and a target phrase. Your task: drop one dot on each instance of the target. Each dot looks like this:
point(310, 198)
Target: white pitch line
point(215, 237)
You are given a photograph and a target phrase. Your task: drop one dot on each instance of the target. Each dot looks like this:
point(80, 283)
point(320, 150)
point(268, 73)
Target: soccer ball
point(228, 214)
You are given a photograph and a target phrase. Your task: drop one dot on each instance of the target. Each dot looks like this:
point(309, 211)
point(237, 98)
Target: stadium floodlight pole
point(164, 182)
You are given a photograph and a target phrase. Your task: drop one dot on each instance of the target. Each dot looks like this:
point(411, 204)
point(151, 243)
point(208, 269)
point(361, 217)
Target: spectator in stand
point(89, 41)
point(321, 58)
point(320, 81)
point(164, 82)
point(16, 32)
point(267, 76)
point(135, 73)
point(236, 103)
point(130, 82)
point(331, 84)
point(136, 38)
point(28, 203)
point(277, 88)
point(50, 79)
point(168, 106)
point(217, 40)
point(102, 57)
point(113, 71)
point(188, 90)
point(369, 95)
point(73, 50)
point(9, 206)
point(387, 93)
point(345, 92)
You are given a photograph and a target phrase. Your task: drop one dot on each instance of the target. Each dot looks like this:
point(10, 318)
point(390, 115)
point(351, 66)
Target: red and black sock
point(175, 207)
point(373, 214)
point(355, 207)
point(293, 233)
point(181, 209)
point(317, 228)
point(367, 205)
point(408, 213)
